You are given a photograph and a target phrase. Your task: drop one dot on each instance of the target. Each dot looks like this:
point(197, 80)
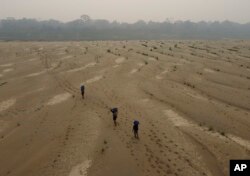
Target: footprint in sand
point(6, 65)
point(7, 104)
point(120, 60)
point(35, 74)
point(80, 169)
point(91, 64)
point(59, 98)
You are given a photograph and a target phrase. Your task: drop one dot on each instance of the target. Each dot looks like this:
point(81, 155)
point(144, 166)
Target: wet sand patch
point(59, 98)
point(4, 105)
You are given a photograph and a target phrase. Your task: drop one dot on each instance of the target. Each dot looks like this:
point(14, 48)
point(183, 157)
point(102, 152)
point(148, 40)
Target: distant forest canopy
point(86, 28)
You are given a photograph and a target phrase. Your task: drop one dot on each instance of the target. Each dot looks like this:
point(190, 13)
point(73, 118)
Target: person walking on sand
point(82, 91)
point(115, 114)
point(136, 128)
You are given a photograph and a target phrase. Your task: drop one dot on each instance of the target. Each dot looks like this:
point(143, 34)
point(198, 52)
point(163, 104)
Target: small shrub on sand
point(146, 62)
point(210, 128)
point(108, 50)
point(222, 133)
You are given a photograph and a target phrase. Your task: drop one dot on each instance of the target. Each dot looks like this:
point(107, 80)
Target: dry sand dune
point(192, 99)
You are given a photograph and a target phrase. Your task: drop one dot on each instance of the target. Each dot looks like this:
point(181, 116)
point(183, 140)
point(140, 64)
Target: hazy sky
point(129, 10)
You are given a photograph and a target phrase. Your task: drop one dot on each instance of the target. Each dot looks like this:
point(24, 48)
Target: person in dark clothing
point(115, 114)
point(82, 91)
point(136, 128)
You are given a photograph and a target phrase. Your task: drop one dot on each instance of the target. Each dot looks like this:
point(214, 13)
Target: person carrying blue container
point(136, 128)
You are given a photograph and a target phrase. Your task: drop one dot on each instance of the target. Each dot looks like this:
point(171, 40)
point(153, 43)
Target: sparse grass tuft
point(108, 50)
point(222, 133)
point(146, 62)
point(210, 128)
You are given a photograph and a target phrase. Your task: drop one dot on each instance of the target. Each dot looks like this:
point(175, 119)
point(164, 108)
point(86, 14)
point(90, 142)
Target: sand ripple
point(120, 60)
point(82, 68)
point(35, 74)
point(7, 70)
point(96, 78)
point(6, 65)
point(59, 98)
point(7, 104)
point(80, 169)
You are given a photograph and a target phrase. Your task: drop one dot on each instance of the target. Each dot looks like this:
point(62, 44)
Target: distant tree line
point(86, 28)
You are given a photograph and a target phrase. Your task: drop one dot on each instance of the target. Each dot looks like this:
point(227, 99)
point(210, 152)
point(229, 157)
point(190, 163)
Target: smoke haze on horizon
point(129, 10)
